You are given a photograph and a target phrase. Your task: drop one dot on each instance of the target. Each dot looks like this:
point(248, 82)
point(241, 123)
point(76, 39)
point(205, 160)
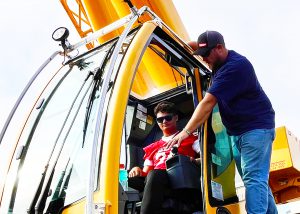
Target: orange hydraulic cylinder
point(104, 12)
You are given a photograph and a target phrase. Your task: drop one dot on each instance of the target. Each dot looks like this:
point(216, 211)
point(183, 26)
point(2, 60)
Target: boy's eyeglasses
point(167, 118)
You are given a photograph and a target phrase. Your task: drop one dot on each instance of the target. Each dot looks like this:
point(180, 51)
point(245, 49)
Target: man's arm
point(199, 116)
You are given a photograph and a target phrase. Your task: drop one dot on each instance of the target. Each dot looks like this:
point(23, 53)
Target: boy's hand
point(135, 171)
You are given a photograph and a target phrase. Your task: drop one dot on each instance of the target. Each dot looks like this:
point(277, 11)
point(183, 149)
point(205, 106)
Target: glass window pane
point(54, 136)
point(225, 182)
point(155, 74)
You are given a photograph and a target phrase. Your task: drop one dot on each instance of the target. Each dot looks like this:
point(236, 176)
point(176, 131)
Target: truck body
point(92, 110)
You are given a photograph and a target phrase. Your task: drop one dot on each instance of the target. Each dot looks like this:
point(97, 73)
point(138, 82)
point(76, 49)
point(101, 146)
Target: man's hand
point(176, 140)
point(199, 116)
point(135, 171)
point(193, 45)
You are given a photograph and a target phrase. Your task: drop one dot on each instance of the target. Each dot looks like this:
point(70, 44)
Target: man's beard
point(216, 65)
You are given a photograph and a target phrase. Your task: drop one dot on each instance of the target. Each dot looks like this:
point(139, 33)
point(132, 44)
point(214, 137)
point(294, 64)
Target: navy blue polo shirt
point(243, 104)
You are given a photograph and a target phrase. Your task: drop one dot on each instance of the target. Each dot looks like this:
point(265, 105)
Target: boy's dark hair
point(165, 107)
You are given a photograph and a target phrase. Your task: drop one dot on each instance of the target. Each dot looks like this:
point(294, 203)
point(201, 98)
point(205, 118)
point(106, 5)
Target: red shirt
point(156, 154)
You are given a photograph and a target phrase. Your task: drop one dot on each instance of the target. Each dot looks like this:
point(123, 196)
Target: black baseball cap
point(207, 41)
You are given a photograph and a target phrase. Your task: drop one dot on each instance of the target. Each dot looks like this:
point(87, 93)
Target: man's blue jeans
point(252, 153)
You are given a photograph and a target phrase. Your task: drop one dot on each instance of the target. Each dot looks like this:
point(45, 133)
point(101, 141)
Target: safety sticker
point(149, 119)
point(142, 125)
point(217, 191)
point(141, 108)
point(141, 115)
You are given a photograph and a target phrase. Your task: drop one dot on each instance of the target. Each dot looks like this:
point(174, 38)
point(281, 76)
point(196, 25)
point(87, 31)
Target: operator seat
point(185, 195)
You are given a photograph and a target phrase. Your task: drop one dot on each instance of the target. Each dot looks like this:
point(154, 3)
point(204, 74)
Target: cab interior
point(138, 136)
point(166, 73)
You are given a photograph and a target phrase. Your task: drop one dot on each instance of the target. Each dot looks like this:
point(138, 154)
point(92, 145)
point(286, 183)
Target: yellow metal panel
point(281, 159)
point(75, 208)
point(286, 149)
point(198, 84)
point(280, 141)
point(285, 166)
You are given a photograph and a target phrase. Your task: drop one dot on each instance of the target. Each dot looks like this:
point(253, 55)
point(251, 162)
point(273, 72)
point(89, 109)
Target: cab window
point(225, 184)
point(55, 145)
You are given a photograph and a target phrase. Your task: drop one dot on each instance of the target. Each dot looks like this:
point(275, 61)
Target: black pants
point(155, 189)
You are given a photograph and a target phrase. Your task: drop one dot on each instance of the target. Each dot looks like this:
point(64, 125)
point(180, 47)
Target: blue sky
point(266, 32)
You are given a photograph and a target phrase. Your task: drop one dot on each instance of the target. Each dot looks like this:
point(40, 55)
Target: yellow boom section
point(91, 15)
point(79, 18)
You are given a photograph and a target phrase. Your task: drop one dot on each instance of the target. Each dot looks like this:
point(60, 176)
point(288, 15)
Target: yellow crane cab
point(92, 111)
